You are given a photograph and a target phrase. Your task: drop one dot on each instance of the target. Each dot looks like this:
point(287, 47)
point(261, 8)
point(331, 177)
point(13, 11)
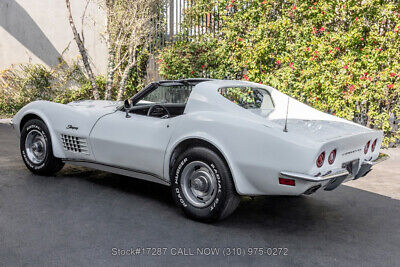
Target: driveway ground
point(80, 217)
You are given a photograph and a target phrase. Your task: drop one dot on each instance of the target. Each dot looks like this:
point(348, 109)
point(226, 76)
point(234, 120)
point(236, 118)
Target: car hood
point(95, 104)
point(94, 109)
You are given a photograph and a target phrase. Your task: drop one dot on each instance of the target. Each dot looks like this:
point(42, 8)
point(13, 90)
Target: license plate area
point(352, 166)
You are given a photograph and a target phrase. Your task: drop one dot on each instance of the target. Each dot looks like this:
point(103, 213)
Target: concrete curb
point(5, 121)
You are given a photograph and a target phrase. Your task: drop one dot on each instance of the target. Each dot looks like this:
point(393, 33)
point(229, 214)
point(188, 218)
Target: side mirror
point(127, 107)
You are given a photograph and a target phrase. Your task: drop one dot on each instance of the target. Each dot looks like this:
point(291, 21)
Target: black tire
point(50, 164)
point(226, 198)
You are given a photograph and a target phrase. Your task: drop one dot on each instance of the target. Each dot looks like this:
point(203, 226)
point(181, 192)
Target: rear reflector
point(285, 181)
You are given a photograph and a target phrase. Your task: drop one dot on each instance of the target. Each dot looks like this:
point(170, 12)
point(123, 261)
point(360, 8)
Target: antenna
point(285, 129)
point(287, 109)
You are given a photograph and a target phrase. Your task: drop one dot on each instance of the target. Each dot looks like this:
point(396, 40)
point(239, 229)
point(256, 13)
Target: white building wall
point(38, 31)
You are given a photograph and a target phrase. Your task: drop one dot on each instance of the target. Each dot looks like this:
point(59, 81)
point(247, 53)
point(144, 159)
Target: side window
point(248, 97)
point(175, 94)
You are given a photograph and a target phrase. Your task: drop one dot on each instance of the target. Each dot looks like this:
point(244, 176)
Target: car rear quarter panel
point(255, 153)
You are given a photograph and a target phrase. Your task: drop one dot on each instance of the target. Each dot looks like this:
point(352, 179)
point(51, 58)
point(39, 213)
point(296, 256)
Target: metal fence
point(168, 24)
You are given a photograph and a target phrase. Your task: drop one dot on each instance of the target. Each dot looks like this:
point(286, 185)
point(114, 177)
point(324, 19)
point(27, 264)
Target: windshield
point(174, 94)
point(248, 97)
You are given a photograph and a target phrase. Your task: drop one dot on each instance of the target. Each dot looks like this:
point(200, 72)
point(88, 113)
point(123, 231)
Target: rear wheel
point(202, 185)
point(36, 149)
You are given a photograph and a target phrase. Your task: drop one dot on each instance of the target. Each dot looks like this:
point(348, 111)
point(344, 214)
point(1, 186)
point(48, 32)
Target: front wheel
point(202, 185)
point(36, 149)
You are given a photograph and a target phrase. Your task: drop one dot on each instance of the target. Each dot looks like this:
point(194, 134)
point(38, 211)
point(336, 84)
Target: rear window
point(248, 97)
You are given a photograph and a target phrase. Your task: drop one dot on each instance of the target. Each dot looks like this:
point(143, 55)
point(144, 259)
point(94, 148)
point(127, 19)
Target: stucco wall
point(38, 31)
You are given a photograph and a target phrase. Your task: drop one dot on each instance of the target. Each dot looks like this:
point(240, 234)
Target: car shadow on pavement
point(320, 211)
point(129, 185)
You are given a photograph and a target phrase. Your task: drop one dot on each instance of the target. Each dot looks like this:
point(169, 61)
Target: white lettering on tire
point(25, 157)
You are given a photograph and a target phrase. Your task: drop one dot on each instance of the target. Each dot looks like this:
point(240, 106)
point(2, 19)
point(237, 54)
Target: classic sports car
point(209, 140)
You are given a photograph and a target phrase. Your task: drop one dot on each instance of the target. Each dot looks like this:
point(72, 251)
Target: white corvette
point(210, 140)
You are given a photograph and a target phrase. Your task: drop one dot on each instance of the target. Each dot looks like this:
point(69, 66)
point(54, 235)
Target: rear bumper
point(331, 181)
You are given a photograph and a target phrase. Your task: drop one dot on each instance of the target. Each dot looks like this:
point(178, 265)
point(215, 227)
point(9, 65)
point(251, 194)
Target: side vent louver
point(75, 144)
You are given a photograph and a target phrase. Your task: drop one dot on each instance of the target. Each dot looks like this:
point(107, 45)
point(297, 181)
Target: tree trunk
point(83, 52)
point(110, 72)
point(124, 78)
point(111, 56)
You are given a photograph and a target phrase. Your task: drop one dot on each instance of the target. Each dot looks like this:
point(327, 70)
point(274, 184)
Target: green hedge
point(24, 83)
point(341, 57)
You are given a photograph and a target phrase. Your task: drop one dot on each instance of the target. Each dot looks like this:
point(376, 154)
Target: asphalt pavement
point(83, 217)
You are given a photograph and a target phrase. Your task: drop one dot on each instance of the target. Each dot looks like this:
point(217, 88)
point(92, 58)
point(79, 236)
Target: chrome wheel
point(199, 184)
point(35, 147)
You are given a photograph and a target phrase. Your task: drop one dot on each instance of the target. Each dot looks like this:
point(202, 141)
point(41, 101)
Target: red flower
point(352, 88)
point(390, 86)
point(192, 72)
point(245, 77)
point(278, 62)
point(240, 39)
point(392, 74)
point(264, 2)
point(232, 1)
point(345, 67)
point(294, 8)
point(202, 66)
point(322, 29)
point(362, 39)
point(356, 18)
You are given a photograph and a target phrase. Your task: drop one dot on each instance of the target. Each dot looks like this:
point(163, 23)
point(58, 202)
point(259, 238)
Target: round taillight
point(366, 147)
point(332, 157)
point(320, 159)
point(373, 145)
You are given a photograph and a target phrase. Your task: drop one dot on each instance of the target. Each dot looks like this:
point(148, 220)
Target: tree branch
point(82, 51)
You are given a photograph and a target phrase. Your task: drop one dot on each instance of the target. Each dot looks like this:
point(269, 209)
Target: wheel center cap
point(37, 146)
point(200, 183)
